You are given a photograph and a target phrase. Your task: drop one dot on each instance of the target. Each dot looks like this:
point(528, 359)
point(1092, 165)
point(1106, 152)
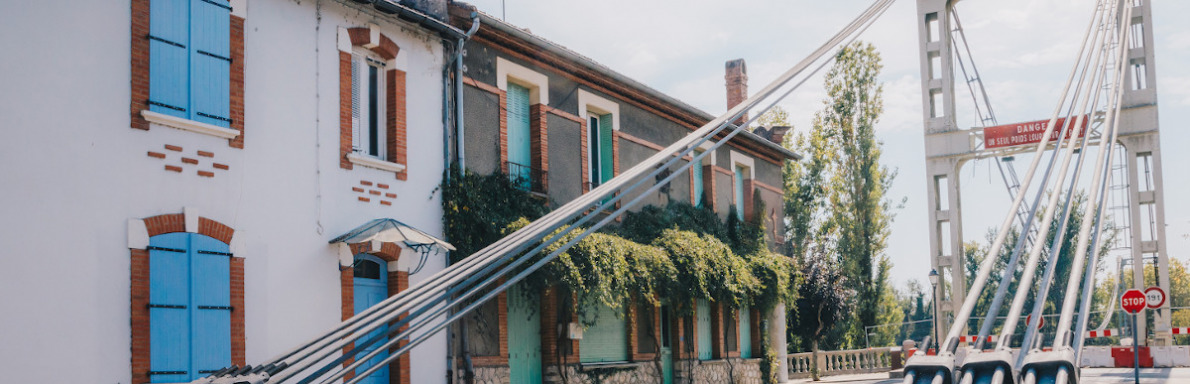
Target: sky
point(1024, 50)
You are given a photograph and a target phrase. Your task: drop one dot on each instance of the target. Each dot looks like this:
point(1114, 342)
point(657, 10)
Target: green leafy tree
point(857, 187)
point(823, 302)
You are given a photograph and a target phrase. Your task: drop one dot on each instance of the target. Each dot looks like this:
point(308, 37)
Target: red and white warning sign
point(973, 338)
point(1181, 331)
point(1103, 333)
point(1154, 297)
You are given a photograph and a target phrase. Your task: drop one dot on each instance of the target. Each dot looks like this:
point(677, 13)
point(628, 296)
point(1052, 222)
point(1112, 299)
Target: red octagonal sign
point(1133, 301)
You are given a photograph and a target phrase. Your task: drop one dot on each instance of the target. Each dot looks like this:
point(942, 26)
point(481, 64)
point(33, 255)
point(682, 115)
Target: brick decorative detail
point(503, 96)
point(584, 148)
point(395, 101)
point(366, 195)
point(749, 199)
point(181, 161)
point(139, 292)
point(139, 67)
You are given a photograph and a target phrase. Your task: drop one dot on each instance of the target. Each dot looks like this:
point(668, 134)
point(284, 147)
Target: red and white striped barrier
point(1103, 333)
point(1181, 331)
point(973, 338)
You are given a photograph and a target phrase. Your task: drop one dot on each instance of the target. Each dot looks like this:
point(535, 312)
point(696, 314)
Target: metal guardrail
point(845, 362)
point(527, 178)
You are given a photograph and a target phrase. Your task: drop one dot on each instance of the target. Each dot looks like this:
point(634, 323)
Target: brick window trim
point(395, 101)
point(140, 72)
point(397, 282)
point(139, 284)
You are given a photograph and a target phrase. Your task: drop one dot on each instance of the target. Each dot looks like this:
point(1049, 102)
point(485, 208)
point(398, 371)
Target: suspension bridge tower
point(948, 147)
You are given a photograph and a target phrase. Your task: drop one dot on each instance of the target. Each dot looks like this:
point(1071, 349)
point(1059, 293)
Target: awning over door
point(380, 231)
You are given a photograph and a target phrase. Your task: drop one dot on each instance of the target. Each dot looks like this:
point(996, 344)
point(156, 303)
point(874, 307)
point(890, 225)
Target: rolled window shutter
point(210, 57)
point(356, 124)
point(169, 44)
point(605, 147)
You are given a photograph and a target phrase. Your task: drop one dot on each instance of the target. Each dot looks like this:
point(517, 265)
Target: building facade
point(562, 124)
point(175, 170)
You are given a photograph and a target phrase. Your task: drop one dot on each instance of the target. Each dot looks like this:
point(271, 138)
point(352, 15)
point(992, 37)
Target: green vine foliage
point(476, 208)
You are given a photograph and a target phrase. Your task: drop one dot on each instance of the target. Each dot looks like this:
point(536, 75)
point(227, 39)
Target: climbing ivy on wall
point(475, 208)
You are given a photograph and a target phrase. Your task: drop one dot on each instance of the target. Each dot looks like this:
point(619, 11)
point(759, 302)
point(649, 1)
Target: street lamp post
point(934, 285)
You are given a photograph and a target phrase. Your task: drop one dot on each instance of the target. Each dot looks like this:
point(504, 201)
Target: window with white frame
point(367, 104)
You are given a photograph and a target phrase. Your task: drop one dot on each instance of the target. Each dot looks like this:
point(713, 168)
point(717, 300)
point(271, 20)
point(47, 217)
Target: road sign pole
point(1135, 352)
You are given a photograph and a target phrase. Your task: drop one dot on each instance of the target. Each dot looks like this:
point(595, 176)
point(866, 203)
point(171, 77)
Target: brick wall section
point(216, 230)
point(634, 346)
point(583, 149)
point(749, 200)
point(554, 326)
point(237, 81)
point(399, 370)
point(503, 130)
point(140, 315)
point(539, 142)
point(139, 66)
point(157, 225)
point(718, 347)
point(502, 321)
point(736, 75)
point(754, 331)
point(344, 109)
point(238, 334)
point(397, 137)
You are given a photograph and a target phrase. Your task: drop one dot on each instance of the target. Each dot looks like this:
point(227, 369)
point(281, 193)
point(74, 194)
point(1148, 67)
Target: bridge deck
point(1090, 376)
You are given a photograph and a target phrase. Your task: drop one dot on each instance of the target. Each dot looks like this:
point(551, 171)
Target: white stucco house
point(184, 165)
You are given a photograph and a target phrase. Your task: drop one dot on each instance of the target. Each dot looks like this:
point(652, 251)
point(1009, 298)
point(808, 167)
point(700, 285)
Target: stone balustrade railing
point(842, 362)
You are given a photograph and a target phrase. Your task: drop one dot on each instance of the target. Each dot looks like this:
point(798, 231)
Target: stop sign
point(1133, 301)
point(1040, 323)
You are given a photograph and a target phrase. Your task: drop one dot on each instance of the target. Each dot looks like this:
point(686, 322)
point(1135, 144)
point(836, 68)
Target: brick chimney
point(737, 85)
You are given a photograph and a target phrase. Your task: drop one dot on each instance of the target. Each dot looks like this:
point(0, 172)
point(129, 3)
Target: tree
point(857, 187)
point(823, 301)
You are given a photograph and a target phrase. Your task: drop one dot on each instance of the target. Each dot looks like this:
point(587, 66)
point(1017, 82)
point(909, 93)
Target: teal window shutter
point(210, 277)
point(607, 339)
point(606, 162)
point(169, 48)
point(696, 184)
point(703, 311)
point(739, 192)
point(189, 307)
point(745, 333)
point(518, 135)
point(169, 308)
point(210, 56)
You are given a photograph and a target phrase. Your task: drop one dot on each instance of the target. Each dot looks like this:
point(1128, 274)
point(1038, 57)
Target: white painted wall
point(72, 173)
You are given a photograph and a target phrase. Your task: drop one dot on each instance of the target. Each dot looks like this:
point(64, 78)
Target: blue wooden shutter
point(696, 184)
point(605, 148)
point(169, 308)
point(518, 134)
point(210, 58)
point(607, 339)
point(745, 328)
point(703, 311)
point(169, 44)
point(210, 276)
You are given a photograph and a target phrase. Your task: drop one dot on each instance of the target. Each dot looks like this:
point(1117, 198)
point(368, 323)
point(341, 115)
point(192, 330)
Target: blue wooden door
point(189, 307)
point(518, 135)
point(703, 312)
point(667, 358)
point(371, 287)
point(524, 338)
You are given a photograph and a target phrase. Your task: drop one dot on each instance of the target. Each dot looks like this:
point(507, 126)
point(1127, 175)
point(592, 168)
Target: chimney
point(777, 133)
point(737, 85)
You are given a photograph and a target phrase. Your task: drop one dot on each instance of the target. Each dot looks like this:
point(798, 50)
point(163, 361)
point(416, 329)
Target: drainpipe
point(460, 129)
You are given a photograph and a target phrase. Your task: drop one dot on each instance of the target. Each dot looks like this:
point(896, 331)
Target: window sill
point(189, 125)
point(373, 162)
point(613, 364)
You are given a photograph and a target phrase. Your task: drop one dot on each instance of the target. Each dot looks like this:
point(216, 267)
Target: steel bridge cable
point(1060, 236)
point(1026, 281)
point(1030, 218)
point(525, 273)
point(1089, 286)
point(1091, 212)
point(951, 341)
point(608, 187)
